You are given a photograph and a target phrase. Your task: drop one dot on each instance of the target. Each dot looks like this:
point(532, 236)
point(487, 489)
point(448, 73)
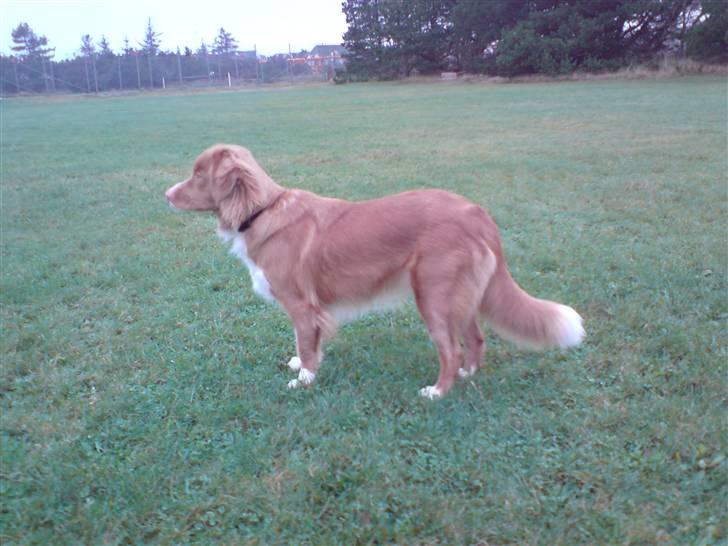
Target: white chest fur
point(257, 275)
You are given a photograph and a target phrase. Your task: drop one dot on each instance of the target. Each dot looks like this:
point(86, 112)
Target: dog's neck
point(244, 204)
point(249, 222)
point(250, 219)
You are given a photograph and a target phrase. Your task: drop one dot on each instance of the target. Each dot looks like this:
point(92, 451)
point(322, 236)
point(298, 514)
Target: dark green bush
point(708, 40)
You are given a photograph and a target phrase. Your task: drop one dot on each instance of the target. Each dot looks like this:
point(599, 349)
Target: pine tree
point(150, 46)
point(224, 43)
point(88, 50)
point(31, 50)
point(151, 42)
point(389, 39)
point(128, 50)
point(104, 47)
point(87, 46)
point(203, 52)
point(29, 45)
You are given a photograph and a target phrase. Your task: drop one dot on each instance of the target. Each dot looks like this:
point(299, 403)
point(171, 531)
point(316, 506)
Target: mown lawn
point(142, 388)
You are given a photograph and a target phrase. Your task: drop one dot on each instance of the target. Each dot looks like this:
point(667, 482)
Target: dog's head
point(225, 180)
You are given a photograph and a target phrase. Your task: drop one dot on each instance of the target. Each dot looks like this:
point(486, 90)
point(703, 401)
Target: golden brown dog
point(325, 261)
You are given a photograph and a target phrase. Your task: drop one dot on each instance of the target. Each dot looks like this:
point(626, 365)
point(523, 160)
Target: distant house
point(326, 57)
point(248, 55)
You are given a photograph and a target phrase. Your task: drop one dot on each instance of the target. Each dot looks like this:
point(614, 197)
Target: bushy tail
point(525, 320)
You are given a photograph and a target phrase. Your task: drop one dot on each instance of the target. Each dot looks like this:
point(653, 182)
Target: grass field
point(142, 388)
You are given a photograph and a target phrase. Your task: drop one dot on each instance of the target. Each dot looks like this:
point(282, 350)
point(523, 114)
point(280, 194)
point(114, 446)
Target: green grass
point(142, 388)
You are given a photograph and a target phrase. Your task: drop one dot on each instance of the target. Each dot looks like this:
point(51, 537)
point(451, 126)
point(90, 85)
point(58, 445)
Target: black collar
point(249, 222)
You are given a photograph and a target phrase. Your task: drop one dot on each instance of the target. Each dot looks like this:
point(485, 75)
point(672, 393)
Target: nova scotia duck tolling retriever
point(326, 261)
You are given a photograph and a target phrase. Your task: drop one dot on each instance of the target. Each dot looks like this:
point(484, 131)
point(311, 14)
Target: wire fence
point(137, 71)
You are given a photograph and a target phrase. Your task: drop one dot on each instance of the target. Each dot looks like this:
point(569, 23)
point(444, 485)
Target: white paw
point(294, 364)
point(430, 392)
point(464, 374)
point(305, 377)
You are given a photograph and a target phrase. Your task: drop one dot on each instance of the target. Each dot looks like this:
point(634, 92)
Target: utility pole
point(179, 66)
point(288, 64)
point(15, 69)
point(85, 67)
point(96, 78)
point(45, 76)
point(121, 85)
point(53, 77)
point(139, 74)
point(151, 75)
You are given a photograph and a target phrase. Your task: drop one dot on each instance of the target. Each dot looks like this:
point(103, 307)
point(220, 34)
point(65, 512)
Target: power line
point(67, 83)
point(18, 86)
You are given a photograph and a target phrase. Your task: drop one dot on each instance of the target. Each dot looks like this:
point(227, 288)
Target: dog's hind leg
point(448, 284)
point(474, 344)
point(444, 323)
point(451, 356)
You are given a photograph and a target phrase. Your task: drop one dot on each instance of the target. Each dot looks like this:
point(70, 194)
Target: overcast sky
point(268, 24)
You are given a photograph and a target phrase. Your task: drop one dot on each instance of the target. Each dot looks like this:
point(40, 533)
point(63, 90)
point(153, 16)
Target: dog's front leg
point(295, 362)
point(308, 348)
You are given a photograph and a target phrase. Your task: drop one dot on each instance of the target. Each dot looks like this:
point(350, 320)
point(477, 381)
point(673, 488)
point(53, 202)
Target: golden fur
point(324, 260)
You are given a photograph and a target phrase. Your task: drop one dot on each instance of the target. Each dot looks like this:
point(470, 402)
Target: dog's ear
point(234, 172)
point(237, 190)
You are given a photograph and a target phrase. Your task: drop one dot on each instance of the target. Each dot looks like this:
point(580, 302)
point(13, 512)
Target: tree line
point(389, 39)
point(95, 67)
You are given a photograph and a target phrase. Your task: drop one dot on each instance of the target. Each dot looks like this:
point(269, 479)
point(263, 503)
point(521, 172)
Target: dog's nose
point(169, 194)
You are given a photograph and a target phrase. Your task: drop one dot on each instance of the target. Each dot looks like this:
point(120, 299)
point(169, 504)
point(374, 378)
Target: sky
point(269, 25)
